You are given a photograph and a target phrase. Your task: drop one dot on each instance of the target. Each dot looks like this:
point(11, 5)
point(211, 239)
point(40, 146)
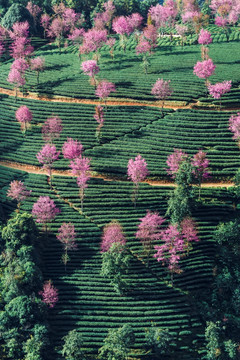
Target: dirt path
point(113, 102)
point(37, 170)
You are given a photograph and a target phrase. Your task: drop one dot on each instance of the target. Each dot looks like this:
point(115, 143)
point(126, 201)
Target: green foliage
point(115, 263)
point(181, 199)
point(72, 348)
point(228, 234)
point(20, 230)
point(159, 340)
point(217, 348)
point(117, 343)
point(212, 334)
point(17, 13)
point(36, 345)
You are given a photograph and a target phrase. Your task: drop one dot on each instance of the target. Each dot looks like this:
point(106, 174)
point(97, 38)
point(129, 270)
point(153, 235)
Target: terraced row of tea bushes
point(78, 123)
point(189, 130)
point(63, 76)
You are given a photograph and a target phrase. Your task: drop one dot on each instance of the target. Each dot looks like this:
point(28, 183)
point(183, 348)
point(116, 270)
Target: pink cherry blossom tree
point(24, 116)
point(112, 234)
point(17, 79)
point(93, 40)
point(204, 39)
point(122, 27)
point(57, 30)
point(91, 69)
point(150, 33)
point(71, 18)
point(227, 12)
point(67, 236)
point(137, 172)
point(219, 89)
point(234, 127)
point(162, 90)
point(164, 15)
point(189, 232)
point(105, 18)
point(169, 253)
point(49, 294)
point(18, 192)
point(16, 75)
point(47, 156)
point(99, 117)
point(44, 211)
point(81, 168)
point(204, 69)
point(174, 160)
point(144, 48)
point(135, 21)
point(149, 231)
point(45, 22)
point(19, 30)
point(103, 90)
point(38, 64)
point(21, 48)
point(72, 149)
point(52, 129)
point(200, 165)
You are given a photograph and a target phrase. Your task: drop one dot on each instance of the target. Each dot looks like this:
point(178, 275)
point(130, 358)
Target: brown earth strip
point(37, 170)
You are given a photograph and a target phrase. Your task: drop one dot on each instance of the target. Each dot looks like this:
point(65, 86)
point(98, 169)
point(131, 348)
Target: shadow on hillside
point(56, 67)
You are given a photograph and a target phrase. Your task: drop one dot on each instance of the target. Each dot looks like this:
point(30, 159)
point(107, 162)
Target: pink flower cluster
point(18, 191)
point(234, 126)
point(176, 241)
point(190, 16)
point(76, 36)
point(204, 37)
point(90, 67)
point(44, 210)
point(143, 47)
point(121, 25)
point(112, 234)
point(200, 164)
point(47, 155)
point(104, 89)
point(149, 228)
point(164, 15)
point(219, 89)
point(204, 69)
point(72, 149)
point(161, 89)
point(137, 169)
point(93, 39)
point(38, 64)
point(181, 29)
point(169, 252)
point(67, 236)
point(81, 168)
point(24, 115)
point(49, 294)
point(174, 160)
point(227, 11)
point(52, 129)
